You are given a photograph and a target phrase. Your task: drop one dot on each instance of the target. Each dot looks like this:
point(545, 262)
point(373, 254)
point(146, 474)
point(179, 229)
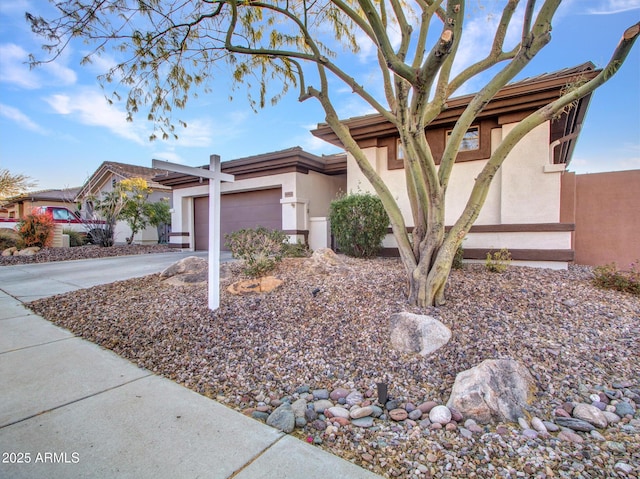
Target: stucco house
point(21, 205)
point(289, 190)
point(104, 179)
point(523, 208)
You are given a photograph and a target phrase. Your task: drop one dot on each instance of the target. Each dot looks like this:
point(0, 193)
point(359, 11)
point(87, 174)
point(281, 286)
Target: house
point(522, 211)
point(105, 178)
point(288, 190)
point(21, 205)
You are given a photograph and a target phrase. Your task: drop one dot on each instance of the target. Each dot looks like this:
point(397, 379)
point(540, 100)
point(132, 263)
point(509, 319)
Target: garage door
point(237, 211)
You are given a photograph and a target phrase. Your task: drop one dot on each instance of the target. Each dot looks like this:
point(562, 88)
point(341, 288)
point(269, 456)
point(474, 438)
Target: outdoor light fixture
point(383, 395)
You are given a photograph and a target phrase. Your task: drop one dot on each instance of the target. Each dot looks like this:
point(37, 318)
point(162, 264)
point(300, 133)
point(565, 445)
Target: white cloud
point(15, 70)
point(609, 7)
point(90, 107)
point(21, 119)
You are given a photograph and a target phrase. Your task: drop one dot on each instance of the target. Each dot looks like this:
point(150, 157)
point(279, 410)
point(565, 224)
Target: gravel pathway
point(324, 334)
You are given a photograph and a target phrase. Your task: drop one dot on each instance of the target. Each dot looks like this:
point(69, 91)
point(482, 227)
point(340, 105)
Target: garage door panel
point(240, 210)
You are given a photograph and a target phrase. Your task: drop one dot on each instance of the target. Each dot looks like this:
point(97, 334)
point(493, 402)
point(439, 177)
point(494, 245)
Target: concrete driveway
point(29, 282)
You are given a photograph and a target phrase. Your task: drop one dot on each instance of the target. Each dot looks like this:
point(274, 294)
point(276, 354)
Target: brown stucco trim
point(179, 234)
point(304, 233)
point(524, 96)
point(293, 160)
point(515, 228)
point(179, 245)
point(516, 254)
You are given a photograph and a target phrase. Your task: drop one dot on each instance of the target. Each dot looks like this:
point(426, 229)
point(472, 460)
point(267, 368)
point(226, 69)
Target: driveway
point(29, 282)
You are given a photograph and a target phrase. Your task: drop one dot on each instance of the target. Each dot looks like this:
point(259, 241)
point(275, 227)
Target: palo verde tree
point(172, 46)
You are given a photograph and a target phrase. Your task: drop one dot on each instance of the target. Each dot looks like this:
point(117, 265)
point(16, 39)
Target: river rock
point(337, 411)
point(363, 422)
point(495, 390)
point(282, 418)
point(414, 333)
point(624, 408)
point(440, 414)
point(398, 414)
point(321, 405)
point(299, 406)
point(591, 414)
point(358, 412)
point(575, 424)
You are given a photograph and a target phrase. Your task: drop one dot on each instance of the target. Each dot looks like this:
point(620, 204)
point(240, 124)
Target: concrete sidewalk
point(70, 409)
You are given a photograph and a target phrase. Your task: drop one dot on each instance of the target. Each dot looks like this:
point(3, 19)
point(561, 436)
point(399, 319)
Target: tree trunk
point(428, 280)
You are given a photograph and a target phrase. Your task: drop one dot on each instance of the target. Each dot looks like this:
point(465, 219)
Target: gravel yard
point(46, 255)
point(328, 329)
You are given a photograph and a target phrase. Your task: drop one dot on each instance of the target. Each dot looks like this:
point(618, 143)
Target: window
point(471, 139)
point(399, 151)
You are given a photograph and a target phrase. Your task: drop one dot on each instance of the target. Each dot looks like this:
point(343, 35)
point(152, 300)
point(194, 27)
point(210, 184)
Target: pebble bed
point(47, 255)
point(313, 351)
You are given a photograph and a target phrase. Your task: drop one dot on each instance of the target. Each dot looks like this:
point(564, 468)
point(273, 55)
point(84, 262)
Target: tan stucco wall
point(525, 190)
point(607, 218)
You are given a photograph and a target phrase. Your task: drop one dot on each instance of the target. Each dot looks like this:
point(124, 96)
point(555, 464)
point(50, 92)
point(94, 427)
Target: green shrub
point(499, 261)
point(609, 277)
point(261, 249)
point(75, 237)
point(359, 223)
point(296, 250)
point(457, 258)
point(9, 238)
point(36, 230)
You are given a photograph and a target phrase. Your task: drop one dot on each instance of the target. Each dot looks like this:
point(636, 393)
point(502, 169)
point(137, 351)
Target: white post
point(214, 233)
point(215, 176)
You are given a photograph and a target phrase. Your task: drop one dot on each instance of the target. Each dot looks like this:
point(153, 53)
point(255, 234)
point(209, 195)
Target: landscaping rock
point(495, 390)
point(440, 414)
point(27, 251)
point(258, 285)
point(282, 418)
point(414, 333)
point(189, 270)
point(591, 414)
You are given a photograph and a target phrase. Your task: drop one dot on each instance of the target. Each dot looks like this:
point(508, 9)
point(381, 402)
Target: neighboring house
point(288, 190)
point(22, 205)
point(104, 179)
point(522, 211)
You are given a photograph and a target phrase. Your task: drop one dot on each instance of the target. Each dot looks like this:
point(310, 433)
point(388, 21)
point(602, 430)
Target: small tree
point(136, 209)
point(108, 208)
point(359, 223)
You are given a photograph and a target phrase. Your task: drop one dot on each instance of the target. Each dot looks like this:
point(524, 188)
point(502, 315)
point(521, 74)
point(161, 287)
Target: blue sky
point(57, 128)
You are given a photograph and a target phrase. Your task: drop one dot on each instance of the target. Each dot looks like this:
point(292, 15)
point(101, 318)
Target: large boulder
point(496, 390)
point(189, 270)
point(414, 333)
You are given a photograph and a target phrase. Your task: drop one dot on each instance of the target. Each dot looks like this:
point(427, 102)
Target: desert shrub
point(296, 250)
point(36, 229)
point(9, 238)
point(498, 261)
point(261, 249)
point(75, 237)
point(610, 277)
point(457, 258)
point(359, 223)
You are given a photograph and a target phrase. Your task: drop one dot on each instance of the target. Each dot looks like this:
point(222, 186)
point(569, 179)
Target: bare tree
point(174, 46)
